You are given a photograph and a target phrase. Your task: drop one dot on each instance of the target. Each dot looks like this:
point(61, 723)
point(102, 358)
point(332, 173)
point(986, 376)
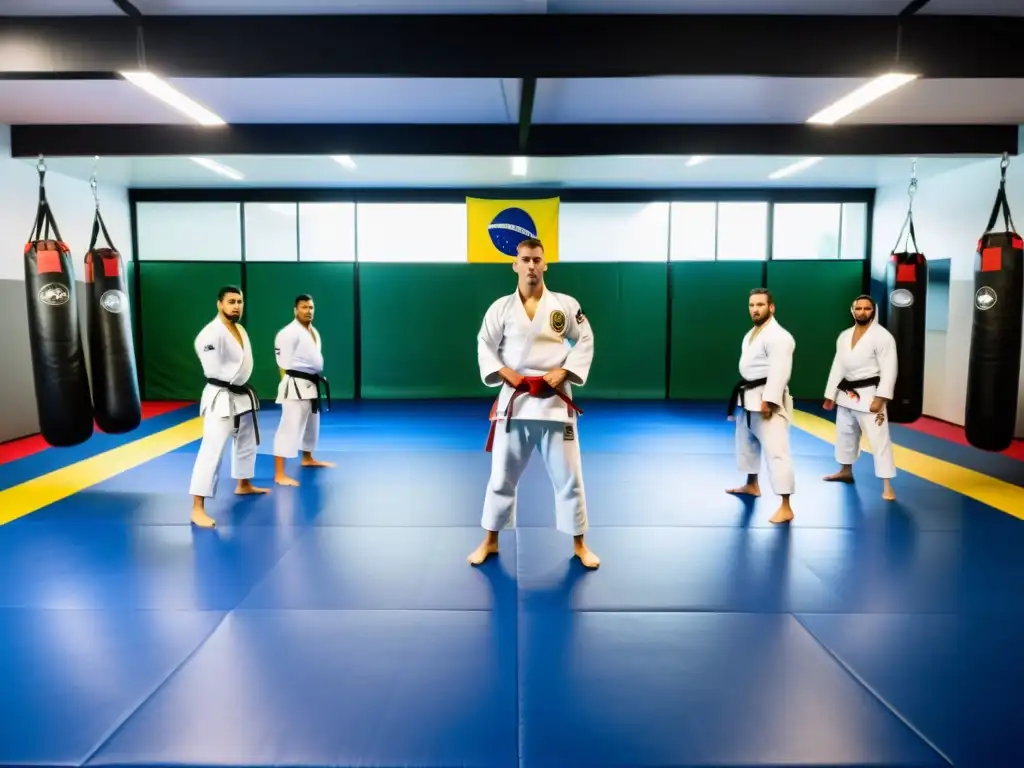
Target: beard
point(864, 320)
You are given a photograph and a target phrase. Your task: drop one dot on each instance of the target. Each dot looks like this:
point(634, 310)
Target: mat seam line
point(878, 697)
point(106, 739)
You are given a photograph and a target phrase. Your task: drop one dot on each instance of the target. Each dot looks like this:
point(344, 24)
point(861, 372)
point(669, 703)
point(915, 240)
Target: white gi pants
point(850, 424)
point(299, 429)
point(559, 448)
point(217, 431)
point(771, 435)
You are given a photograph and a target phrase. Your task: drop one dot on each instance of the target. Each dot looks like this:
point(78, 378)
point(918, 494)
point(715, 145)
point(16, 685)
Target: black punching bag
point(993, 373)
point(115, 386)
point(63, 401)
point(906, 286)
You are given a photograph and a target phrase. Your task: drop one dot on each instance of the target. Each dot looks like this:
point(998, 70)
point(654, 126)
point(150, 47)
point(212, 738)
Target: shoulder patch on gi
point(568, 432)
point(209, 348)
point(558, 321)
point(580, 317)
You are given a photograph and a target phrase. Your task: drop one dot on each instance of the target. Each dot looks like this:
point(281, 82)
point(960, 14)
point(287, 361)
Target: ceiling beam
point(471, 46)
point(503, 140)
point(527, 93)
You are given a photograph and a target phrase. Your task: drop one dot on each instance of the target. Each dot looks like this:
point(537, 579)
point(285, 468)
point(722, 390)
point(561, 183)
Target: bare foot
point(246, 488)
point(201, 519)
point(285, 480)
point(318, 464)
point(887, 492)
point(750, 489)
point(842, 476)
point(782, 515)
point(481, 553)
point(588, 558)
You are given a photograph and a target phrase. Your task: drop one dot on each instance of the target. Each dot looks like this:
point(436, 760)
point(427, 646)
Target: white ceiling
point(296, 7)
point(482, 172)
point(615, 100)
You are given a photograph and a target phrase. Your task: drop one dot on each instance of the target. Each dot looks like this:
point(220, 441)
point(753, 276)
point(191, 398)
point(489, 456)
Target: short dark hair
point(530, 242)
point(865, 297)
point(302, 297)
point(763, 292)
point(226, 290)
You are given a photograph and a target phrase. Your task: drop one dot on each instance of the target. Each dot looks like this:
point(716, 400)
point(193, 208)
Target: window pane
point(742, 231)
point(613, 232)
point(855, 231)
point(327, 232)
point(270, 232)
point(805, 231)
point(693, 232)
point(411, 232)
point(189, 231)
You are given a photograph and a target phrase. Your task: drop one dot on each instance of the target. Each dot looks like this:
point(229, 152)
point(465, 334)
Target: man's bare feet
point(199, 516)
point(588, 558)
point(309, 461)
point(844, 475)
point(887, 491)
point(783, 514)
point(750, 489)
point(285, 480)
point(246, 488)
point(488, 547)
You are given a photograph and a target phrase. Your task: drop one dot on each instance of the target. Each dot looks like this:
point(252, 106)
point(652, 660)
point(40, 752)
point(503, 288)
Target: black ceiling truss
point(559, 46)
point(560, 140)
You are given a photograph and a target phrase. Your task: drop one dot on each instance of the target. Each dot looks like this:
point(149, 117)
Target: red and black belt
point(535, 386)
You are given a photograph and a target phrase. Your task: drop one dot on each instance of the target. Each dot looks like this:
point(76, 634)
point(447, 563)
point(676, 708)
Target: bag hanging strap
point(1001, 201)
point(908, 223)
point(44, 215)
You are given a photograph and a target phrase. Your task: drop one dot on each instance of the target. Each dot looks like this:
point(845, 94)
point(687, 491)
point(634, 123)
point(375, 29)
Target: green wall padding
point(419, 325)
point(627, 305)
point(270, 301)
point(709, 320)
point(812, 301)
point(177, 300)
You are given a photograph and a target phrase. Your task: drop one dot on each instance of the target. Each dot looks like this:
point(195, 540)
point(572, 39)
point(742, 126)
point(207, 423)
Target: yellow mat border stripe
point(998, 494)
point(40, 492)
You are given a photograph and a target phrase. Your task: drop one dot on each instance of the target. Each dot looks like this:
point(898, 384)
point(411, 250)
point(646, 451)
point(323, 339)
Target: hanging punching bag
point(115, 386)
point(906, 286)
point(63, 401)
point(993, 374)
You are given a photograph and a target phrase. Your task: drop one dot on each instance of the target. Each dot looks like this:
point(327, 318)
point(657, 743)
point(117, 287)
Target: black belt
point(851, 387)
point(742, 386)
point(242, 389)
point(316, 380)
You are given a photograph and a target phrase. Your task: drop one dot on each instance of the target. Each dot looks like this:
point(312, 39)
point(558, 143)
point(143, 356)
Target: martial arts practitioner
point(524, 347)
point(766, 362)
point(228, 405)
point(860, 383)
point(299, 355)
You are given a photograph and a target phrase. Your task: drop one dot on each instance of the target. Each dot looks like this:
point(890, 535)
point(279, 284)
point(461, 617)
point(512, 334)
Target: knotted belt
point(535, 386)
point(241, 389)
point(316, 379)
point(851, 387)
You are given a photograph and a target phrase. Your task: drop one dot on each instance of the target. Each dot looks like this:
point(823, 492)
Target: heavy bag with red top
point(906, 282)
point(993, 374)
point(63, 400)
point(115, 384)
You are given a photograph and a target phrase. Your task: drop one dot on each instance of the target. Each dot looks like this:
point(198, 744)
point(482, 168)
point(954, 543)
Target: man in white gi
point(860, 383)
point(299, 355)
point(228, 405)
point(766, 362)
point(524, 347)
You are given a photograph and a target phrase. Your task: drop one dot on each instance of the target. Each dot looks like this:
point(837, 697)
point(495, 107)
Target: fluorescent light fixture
point(697, 159)
point(861, 97)
point(519, 166)
point(345, 161)
point(799, 165)
point(164, 91)
point(216, 167)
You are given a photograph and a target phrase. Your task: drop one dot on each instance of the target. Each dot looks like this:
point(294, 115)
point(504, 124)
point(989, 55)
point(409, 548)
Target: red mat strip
point(29, 446)
point(955, 434)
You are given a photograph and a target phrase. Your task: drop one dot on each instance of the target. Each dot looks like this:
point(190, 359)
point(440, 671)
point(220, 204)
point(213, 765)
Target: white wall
point(950, 214)
point(72, 204)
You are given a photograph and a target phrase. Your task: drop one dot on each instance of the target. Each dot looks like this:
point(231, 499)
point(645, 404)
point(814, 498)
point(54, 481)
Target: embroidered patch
point(580, 317)
point(558, 321)
point(569, 433)
point(209, 348)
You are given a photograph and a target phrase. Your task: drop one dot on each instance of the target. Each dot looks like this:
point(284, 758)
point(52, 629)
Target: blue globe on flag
point(509, 228)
